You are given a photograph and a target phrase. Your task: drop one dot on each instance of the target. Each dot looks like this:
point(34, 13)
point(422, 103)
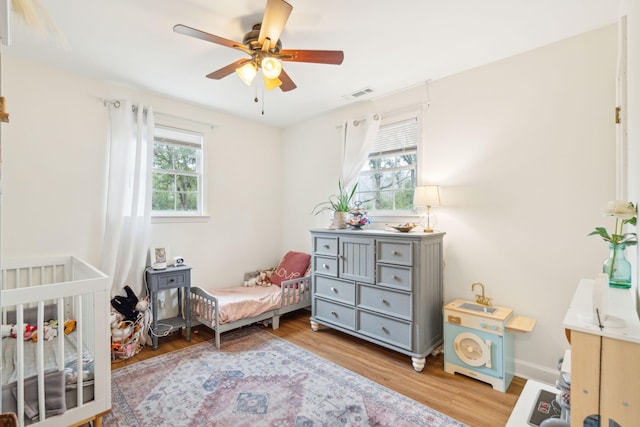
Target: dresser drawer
point(385, 301)
point(395, 276)
point(325, 265)
point(395, 252)
point(391, 331)
point(323, 245)
point(335, 289)
point(171, 280)
point(337, 314)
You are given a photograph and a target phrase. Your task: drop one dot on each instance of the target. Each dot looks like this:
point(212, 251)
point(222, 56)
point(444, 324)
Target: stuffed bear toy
point(263, 278)
point(127, 306)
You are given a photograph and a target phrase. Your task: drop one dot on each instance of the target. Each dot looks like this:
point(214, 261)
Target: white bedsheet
point(51, 358)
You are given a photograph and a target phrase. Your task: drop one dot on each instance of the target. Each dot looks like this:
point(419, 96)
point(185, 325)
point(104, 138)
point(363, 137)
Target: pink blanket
point(240, 302)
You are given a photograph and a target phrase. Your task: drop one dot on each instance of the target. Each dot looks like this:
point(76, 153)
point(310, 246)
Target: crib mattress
point(51, 359)
point(59, 384)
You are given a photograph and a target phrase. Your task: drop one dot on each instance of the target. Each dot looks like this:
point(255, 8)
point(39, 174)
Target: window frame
point(174, 215)
point(388, 119)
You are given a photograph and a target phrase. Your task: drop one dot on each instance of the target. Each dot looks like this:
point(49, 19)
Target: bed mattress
point(242, 302)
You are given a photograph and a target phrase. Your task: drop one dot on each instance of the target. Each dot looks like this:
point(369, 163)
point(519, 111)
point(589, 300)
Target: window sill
point(163, 219)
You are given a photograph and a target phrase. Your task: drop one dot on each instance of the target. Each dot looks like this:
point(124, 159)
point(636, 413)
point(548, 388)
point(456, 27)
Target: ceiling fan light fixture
point(271, 67)
point(247, 72)
point(271, 83)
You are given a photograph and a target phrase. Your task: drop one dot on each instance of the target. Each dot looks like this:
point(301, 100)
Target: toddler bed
point(288, 289)
point(63, 379)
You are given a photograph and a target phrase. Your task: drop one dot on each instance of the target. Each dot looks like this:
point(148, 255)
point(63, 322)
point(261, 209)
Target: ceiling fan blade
point(225, 71)
point(316, 56)
point(287, 83)
point(192, 32)
point(275, 17)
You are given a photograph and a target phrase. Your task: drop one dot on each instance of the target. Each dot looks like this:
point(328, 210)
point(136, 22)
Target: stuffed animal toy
point(121, 332)
point(263, 278)
point(11, 331)
point(50, 331)
point(69, 326)
point(6, 330)
point(127, 305)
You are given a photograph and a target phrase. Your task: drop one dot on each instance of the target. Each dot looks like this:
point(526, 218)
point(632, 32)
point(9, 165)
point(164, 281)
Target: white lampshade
point(426, 195)
point(271, 67)
point(247, 72)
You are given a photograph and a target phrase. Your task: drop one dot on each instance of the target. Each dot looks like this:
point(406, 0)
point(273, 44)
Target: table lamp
point(427, 196)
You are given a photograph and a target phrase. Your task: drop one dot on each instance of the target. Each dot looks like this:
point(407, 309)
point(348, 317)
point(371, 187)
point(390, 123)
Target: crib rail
point(78, 291)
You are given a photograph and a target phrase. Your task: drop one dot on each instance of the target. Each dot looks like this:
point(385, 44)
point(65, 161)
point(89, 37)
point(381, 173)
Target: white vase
point(340, 219)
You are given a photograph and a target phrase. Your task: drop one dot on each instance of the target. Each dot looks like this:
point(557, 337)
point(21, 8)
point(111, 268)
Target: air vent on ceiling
point(359, 93)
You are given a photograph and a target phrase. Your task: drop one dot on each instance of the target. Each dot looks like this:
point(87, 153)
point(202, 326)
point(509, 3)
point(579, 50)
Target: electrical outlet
point(161, 301)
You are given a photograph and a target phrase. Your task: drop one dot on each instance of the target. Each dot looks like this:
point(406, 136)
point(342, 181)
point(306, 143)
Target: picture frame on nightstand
point(158, 256)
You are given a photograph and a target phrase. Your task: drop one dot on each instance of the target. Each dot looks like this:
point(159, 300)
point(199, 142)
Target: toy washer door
point(472, 350)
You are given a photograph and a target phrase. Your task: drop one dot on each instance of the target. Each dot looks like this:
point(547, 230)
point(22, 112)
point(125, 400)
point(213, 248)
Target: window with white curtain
point(177, 172)
point(388, 179)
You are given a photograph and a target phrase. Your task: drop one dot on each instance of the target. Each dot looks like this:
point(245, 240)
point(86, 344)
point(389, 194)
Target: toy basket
point(127, 342)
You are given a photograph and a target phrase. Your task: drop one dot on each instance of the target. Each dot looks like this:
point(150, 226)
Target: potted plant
point(339, 204)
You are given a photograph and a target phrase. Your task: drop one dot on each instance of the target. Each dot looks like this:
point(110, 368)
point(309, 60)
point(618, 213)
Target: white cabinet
point(384, 287)
point(605, 362)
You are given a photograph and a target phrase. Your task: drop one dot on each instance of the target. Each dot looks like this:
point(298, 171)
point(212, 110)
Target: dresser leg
point(418, 363)
point(315, 326)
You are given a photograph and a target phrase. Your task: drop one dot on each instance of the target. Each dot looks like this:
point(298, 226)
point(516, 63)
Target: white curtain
point(128, 214)
point(358, 138)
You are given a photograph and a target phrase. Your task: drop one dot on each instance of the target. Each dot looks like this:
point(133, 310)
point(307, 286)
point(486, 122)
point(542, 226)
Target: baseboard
point(533, 371)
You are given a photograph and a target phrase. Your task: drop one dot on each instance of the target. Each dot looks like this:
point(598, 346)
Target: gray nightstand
point(170, 278)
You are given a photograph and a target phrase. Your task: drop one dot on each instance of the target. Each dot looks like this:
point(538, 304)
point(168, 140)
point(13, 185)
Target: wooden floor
point(470, 401)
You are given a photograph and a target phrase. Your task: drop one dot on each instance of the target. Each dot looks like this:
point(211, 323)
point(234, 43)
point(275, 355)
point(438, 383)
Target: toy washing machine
point(477, 344)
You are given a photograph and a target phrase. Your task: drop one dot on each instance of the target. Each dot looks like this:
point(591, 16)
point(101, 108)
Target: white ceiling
point(388, 45)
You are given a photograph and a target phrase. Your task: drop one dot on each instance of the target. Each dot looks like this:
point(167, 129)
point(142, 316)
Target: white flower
point(620, 209)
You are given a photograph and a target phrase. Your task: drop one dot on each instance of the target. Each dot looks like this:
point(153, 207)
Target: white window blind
point(387, 181)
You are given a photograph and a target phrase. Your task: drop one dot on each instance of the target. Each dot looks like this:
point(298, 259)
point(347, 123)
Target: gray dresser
point(384, 287)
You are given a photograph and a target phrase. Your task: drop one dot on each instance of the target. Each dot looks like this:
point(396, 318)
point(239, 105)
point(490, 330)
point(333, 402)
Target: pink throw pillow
point(292, 266)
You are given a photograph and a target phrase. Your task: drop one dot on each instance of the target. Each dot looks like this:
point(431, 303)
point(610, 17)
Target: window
point(388, 179)
point(177, 172)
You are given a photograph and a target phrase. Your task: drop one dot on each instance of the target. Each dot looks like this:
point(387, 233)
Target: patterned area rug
point(256, 379)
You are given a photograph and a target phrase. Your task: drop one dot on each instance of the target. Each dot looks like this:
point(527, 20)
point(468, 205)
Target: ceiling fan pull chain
point(262, 90)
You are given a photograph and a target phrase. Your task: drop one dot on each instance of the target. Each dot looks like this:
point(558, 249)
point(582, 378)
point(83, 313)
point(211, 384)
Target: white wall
point(54, 166)
point(631, 8)
point(524, 150)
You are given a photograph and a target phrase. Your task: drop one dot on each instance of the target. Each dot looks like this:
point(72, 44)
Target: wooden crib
point(38, 290)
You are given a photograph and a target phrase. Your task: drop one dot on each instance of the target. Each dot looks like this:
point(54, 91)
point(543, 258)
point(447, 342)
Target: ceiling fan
point(264, 47)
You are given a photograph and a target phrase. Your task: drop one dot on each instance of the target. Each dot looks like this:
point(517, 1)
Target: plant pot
point(340, 219)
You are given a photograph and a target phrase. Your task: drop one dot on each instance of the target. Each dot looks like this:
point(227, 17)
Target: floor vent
point(359, 93)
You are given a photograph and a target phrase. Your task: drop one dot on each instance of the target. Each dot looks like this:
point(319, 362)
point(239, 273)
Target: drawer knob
point(384, 301)
point(394, 252)
point(395, 277)
point(334, 314)
point(385, 330)
point(326, 246)
point(334, 290)
point(172, 280)
point(325, 266)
